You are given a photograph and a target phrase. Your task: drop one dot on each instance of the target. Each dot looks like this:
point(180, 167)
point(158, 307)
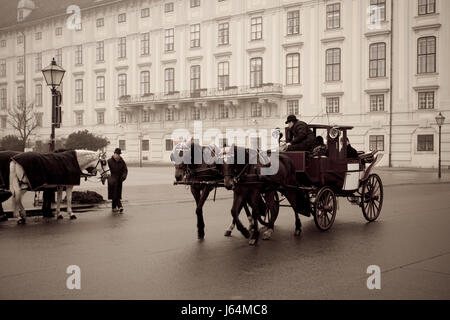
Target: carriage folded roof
point(323, 126)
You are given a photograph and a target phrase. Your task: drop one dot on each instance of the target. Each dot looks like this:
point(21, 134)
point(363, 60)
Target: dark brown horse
point(242, 173)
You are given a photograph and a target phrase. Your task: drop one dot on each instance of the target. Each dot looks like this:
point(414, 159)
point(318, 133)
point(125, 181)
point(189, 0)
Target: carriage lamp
point(53, 75)
point(440, 121)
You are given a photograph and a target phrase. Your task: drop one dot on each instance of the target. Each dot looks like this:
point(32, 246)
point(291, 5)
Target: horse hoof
point(246, 233)
point(21, 221)
point(73, 217)
point(200, 235)
point(298, 233)
point(252, 242)
point(60, 217)
point(227, 233)
point(267, 234)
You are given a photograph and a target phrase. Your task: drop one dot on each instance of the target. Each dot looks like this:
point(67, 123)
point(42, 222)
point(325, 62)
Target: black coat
point(300, 133)
point(119, 172)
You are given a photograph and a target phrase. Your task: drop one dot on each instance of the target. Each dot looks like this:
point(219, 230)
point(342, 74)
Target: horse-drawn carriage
point(324, 176)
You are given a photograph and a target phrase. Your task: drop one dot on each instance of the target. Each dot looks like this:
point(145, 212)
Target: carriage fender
point(371, 166)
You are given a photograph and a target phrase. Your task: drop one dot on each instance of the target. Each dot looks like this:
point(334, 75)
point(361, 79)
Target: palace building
point(136, 70)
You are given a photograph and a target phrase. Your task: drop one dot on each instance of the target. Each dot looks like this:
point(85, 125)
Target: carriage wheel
point(265, 219)
point(325, 209)
point(372, 198)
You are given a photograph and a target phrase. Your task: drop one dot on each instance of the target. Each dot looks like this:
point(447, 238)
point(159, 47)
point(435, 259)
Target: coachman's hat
point(290, 118)
point(118, 151)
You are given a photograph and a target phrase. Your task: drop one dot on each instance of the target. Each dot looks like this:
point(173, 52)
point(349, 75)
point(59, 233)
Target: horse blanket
point(49, 169)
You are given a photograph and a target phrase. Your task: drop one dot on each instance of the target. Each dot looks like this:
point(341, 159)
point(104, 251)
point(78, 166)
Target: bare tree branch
point(23, 119)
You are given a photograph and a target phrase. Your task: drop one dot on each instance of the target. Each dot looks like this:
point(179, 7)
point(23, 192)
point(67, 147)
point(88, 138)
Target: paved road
point(151, 252)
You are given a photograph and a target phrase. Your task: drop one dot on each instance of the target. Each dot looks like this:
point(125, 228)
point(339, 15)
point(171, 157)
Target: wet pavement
point(151, 251)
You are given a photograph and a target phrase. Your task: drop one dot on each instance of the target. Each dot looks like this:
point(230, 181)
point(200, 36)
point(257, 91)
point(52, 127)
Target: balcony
point(234, 92)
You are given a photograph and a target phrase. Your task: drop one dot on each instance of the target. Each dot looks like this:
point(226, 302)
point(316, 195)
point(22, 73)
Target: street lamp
point(53, 75)
point(440, 121)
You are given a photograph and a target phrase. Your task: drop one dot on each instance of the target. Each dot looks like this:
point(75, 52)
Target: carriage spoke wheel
point(372, 198)
point(267, 217)
point(325, 209)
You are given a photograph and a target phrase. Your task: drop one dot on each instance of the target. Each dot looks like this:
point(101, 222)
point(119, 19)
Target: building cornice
point(333, 94)
point(377, 33)
point(427, 87)
point(298, 44)
point(334, 39)
point(427, 27)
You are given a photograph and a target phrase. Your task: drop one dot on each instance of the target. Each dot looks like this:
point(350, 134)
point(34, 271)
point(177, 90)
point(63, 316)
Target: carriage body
point(334, 175)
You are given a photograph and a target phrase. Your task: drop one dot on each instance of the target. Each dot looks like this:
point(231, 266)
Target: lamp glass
point(440, 119)
point(53, 74)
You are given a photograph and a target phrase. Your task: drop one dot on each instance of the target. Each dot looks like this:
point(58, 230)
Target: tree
point(11, 143)
point(23, 119)
point(85, 140)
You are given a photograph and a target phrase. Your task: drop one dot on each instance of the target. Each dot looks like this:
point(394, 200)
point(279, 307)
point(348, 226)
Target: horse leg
point(292, 198)
point(58, 202)
point(274, 210)
point(21, 208)
point(254, 198)
point(69, 190)
point(232, 225)
point(238, 200)
point(230, 229)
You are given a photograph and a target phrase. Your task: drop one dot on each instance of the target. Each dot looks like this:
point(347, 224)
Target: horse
point(202, 178)
point(20, 182)
point(243, 175)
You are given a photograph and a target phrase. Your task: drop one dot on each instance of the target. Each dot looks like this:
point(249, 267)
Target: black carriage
point(324, 176)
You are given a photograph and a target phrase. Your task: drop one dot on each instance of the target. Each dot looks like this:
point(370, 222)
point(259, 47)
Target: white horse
point(19, 183)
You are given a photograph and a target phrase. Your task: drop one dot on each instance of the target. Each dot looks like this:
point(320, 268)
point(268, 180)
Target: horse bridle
point(100, 161)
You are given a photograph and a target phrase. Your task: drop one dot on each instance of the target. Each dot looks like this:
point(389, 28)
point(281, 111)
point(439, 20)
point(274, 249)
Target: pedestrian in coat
point(119, 172)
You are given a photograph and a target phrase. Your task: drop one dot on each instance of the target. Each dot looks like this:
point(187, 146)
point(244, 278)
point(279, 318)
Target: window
point(122, 145)
point(377, 102)
point(79, 54)
point(122, 18)
point(333, 105)
point(170, 114)
point(58, 31)
point(100, 83)
point(377, 60)
point(195, 78)
point(58, 57)
point(378, 10)
point(224, 32)
point(79, 118)
point(195, 3)
point(20, 96)
point(122, 48)
point(426, 100)
point(168, 7)
point(3, 98)
point(38, 35)
point(293, 22)
point(169, 39)
point(20, 65)
point(145, 145)
point(195, 113)
point(3, 68)
point(3, 43)
point(100, 51)
point(376, 143)
point(169, 144)
point(223, 111)
point(122, 117)
point(333, 64)
point(122, 85)
point(195, 36)
point(169, 80)
point(100, 117)
point(78, 91)
point(293, 68)
point(256, 110)
point(100, 22)
point(427, 7)
point(38, 117)
point(19, 39)
point(145, 82)
point(38, 95)
point(256, 75)
point(145, 12)
point(334, 16)
point(426, 55)
point(292, 107)
point(38, 62)
point(425, 142)
point(223, 75)
point(3, 122)
point(256, 28)
point(145, 116)
point(145, 44)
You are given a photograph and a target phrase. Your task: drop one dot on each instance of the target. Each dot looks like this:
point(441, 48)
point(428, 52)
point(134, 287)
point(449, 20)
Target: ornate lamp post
point(53, 75)
point(440, 121)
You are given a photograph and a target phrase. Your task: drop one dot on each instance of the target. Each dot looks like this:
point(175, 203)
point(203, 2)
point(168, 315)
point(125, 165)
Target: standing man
point(119, 172)
point(301, 136)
